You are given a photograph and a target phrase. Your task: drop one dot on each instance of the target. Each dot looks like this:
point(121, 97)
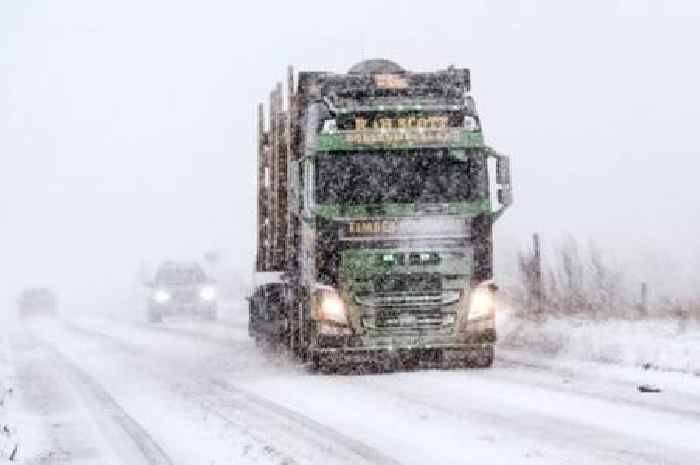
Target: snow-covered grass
point(661, 344)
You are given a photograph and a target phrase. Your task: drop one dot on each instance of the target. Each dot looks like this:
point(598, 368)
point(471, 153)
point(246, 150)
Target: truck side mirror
point(505, 196)
point(503, 170)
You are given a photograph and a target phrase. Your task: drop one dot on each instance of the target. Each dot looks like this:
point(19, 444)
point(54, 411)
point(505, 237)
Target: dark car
point(36, 302)
point(181, 288)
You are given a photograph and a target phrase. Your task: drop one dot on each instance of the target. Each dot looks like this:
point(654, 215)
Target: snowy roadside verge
point(8, 431)
point(657, 344)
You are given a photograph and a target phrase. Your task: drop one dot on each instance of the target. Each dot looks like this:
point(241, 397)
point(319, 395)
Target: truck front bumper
point(402, 343)
point(405, 354)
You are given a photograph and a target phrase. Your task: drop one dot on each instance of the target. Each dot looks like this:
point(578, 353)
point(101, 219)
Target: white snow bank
point(8, 431)
point(660, 344)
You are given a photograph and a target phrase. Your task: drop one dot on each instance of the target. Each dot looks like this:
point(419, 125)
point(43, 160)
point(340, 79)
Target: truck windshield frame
point(406, 176)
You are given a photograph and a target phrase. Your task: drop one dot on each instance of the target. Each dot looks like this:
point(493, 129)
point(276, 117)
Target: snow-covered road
point(117, 391)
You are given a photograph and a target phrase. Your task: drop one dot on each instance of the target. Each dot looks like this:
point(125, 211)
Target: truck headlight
point(161, 296)
point(328, 306)
point(333, 309)
point(207, 293)
point(482, 301)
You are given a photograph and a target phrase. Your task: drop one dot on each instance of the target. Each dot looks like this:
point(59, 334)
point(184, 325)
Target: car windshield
point(396, 177)
point(180, 275)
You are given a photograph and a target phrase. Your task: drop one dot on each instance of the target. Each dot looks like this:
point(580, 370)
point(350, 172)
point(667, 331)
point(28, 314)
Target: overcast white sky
point(127, 128)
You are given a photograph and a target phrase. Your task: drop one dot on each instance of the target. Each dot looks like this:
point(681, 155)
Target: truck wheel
point(327, 366)
point(454, 359)
point(388, 364)
point(314, 363)
point(324, 364)
point(381, 363)
point(483, 358)
point(408, 362)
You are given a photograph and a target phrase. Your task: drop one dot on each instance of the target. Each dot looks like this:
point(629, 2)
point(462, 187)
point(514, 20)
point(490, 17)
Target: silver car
point(181, 288)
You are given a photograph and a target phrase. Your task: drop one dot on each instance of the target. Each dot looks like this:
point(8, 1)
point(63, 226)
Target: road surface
point(109, 391)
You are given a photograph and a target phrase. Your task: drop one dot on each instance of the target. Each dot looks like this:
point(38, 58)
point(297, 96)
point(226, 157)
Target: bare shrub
point(576, 282)
point(528, 293)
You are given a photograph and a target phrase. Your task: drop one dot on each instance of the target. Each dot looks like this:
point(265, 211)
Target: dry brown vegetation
point(585, 281)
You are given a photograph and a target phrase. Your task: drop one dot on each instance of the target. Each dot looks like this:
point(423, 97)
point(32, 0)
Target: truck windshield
point(395, 177)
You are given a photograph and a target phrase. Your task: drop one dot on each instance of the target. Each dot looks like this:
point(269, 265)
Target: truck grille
point(415, 319)
point(408, 302)
point(416, 283)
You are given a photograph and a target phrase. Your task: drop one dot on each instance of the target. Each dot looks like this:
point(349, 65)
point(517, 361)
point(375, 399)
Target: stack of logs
point(275, 152)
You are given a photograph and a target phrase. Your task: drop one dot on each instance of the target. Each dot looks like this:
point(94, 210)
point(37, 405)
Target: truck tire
point(324, 364)
point(484, 357)
point(385, 364)
point(314, 363)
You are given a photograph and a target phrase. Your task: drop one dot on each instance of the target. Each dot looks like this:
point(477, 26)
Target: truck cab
point(391, 195)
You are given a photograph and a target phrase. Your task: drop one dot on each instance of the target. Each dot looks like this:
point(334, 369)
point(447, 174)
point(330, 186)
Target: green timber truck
point(376, 202)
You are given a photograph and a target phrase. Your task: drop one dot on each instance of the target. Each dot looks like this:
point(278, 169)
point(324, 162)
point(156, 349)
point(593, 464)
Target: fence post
point(644, 302)
point(537, 275)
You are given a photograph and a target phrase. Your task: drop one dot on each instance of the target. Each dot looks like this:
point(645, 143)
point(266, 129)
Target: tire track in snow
point(109, 408)
point(365, 451)
point(599, 443)
point(502, 360)
point(193, 334)
point(268, 450)
point(509, 361)
point(326, 437)
point(591, 440)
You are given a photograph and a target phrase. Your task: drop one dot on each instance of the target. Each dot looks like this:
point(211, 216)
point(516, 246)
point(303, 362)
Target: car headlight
point(161, 296)
point(207, 293)
point(482, 301)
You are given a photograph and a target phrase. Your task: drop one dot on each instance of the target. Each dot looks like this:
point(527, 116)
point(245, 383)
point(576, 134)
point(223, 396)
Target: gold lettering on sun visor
point(427, 122)
point(372, 227)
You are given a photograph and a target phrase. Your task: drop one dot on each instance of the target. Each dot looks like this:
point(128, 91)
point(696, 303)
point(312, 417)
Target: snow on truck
point(376, 201)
